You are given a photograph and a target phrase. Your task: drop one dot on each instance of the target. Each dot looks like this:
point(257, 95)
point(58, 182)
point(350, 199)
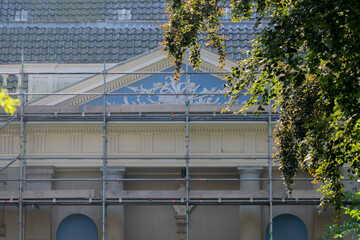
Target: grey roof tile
point(49, 44)
point(82, 10)
point(102, 32)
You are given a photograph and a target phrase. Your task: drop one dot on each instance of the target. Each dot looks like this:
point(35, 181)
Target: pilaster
point(115, 214)
point(38, 218)
point(250, 216)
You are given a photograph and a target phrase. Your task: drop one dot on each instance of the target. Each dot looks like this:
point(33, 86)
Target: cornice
point(9, 130)
point(138, 129)
point(122, 81)
point(227, 129)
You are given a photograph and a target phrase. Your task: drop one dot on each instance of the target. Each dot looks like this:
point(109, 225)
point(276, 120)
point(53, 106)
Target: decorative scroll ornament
point(176, 91)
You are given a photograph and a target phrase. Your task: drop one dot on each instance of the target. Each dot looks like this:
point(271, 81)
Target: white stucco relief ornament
point(170, 86)
point(3, 80)
point(181, 209)
point(180, 216)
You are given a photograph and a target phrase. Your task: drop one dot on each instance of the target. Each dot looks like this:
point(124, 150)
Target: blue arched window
point(77, 227)
point(286, 227)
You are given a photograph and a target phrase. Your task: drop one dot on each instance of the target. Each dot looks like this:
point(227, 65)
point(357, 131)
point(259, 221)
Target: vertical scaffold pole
point(187, 155)
point(104, 158)
point(270, 168)
point(21, 154)
point(24, 179)
point(24, 100)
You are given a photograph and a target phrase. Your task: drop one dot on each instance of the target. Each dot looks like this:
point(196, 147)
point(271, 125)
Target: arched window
point(286, 227)
point(77, 227)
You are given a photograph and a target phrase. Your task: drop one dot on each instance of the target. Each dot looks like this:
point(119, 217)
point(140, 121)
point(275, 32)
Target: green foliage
point(189, 20)
point(350, 226)
point(8, 103)
point(309, 55)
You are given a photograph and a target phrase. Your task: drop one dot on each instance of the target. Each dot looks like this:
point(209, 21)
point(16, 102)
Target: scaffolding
point(263, 197)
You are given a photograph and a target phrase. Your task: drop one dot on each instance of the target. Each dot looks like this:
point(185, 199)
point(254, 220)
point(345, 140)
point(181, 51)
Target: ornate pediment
point(136, 77)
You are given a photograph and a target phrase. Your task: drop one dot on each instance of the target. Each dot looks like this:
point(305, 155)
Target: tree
point(8, 103)
point(351, 226)
point(309, 55)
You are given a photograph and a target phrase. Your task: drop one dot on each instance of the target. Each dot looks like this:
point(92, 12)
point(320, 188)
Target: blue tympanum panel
point(202, 84)
point(77, 227)
point(287, 227)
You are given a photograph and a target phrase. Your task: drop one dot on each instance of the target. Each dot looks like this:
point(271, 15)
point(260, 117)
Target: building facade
point(106, 145)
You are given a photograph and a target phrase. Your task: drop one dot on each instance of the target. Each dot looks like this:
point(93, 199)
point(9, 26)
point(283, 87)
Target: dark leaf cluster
point(306, 61)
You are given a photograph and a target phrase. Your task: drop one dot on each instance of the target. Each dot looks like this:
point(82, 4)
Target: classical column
point(39, 172)
point(115, 214)
point(38, 218)
point(250, 216)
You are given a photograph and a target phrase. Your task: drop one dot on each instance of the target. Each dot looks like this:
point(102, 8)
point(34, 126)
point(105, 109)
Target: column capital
point(118, 171)
point(250, 168)
point(39, 172)
point(43, 171)
point(249, 171)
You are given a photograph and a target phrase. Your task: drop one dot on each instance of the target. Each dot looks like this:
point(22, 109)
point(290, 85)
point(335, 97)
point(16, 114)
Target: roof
point(76, 44)
point(83, 10)
point(90, 31)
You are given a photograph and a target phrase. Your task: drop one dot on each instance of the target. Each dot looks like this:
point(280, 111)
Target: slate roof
point(87, 44)
point(69, 31)
point(83, 10)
